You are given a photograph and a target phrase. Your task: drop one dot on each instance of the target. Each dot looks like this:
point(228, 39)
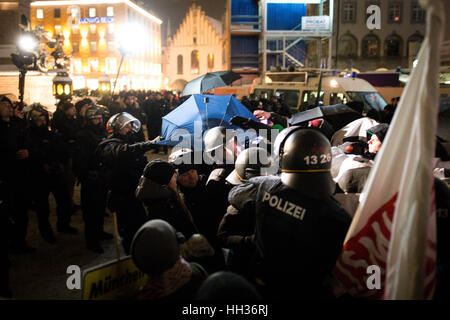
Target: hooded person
point(155, 251)
point(158, 191)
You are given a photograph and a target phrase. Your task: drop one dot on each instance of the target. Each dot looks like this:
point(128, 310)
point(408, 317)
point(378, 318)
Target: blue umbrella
point(194, 113)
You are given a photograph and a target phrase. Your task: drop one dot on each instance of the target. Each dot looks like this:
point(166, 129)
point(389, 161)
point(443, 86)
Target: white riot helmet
point(120, 120)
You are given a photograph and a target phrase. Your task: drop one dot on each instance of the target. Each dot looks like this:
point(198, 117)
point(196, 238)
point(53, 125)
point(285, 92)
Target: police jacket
point(218, 187)
point(237, 227)
point(163, 204)
point(85, 160)
point(299, 238)
point(122, 162)
point(48, 152)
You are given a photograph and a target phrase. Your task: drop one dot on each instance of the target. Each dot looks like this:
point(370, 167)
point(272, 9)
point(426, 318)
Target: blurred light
point(333, 83)
point(131, 38)
point(27, 42)
point(92, 84)
point(414, 64)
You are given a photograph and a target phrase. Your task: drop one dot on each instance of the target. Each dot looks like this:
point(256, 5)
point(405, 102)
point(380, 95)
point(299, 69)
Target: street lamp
point(62, 86)
point(130, 39)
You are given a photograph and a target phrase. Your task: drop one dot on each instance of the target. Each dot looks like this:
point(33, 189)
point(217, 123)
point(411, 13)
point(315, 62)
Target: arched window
point(393, 46)
point(210, 62)
point(195, 62)
point(180, 64)
point(413, 45)
point(348, 46)
point(370, 46)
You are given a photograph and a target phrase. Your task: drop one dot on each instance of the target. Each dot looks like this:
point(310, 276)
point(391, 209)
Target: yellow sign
point(113, 280)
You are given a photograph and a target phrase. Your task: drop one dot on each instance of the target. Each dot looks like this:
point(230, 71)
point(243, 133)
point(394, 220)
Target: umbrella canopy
point(337, 115)
point(180, 123)
point(210, 81)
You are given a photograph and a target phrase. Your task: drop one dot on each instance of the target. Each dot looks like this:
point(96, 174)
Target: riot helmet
point(155, 248)
point(220, 139)
point(250, 163)
point(120, 120)
point(305, 161)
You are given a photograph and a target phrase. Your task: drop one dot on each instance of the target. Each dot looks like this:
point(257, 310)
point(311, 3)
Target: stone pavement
point(43, 275)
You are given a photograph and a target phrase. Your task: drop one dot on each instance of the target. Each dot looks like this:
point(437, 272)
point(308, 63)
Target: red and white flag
point(394, 227)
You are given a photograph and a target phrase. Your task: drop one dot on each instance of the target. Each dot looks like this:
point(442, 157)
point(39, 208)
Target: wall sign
point(314, 23)
point(97, 20)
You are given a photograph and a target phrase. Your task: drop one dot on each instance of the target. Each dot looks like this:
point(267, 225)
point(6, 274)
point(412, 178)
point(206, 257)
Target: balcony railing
point(245, 23)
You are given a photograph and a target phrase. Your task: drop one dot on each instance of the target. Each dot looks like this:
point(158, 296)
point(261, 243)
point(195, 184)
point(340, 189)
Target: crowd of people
point(225, 230)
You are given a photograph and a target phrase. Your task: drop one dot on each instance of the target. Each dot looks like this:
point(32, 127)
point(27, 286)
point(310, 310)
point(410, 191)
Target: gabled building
point(196, 48)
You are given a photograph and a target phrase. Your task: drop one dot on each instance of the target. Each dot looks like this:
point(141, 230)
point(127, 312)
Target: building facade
point(98, 33)
point(10, 17)
point(395, 44)
point(196, 48)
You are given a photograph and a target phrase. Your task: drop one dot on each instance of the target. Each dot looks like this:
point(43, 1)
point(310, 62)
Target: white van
point(300, 90)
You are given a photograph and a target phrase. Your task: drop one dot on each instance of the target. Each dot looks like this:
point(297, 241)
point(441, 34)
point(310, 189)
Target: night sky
point(177, 9)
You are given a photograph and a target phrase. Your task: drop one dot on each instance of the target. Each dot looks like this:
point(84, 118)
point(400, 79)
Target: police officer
point(300, 227)
point(122, 161)
point(48, 156)
point(93, 187)
point(236, 230)
point(222, 151)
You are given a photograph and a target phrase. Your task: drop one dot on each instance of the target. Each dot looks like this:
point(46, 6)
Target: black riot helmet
point(120, 120)
point(305, 161)
point(250, 163)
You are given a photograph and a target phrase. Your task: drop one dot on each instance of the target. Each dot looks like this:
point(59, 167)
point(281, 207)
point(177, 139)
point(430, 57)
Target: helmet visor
point(125, 119)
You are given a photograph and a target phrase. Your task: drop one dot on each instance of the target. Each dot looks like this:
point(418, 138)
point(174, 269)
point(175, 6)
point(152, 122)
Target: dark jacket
point(47, 151)
point(67, 129)
point(8, 149)
point(85, 160)
point(299, 238)
point(122, 162)
point(163, 204)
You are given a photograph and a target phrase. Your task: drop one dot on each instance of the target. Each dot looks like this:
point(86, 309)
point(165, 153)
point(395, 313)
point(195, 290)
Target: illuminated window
point(370, 46)
point(93, 28)
point(195, 62)
point(40, 13)
point(210, 62)
point(111, 28)
point(77, 65)
point(57, 29)
point(57, 13)
point(180, 64)
point(75, 29)
point(110, 11)
point(75, 47)
point(75, 12)
point(111, 45)
point(93, 64)
point(93, 46)
point(111, 65)
point(394, 12)
point(92, 12)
